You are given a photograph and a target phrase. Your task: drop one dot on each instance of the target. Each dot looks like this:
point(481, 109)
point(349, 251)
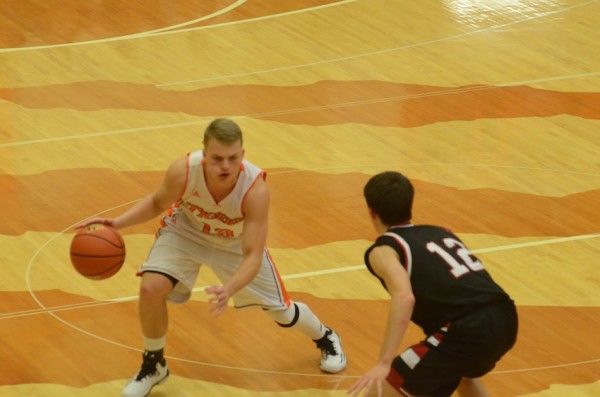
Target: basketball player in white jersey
point(217, 215)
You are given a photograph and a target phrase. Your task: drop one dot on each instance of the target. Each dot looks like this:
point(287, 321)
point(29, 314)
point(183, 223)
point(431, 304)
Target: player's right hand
point(104, 221)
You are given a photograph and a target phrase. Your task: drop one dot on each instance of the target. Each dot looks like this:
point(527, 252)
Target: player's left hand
point(219, 299)
point(375, 377)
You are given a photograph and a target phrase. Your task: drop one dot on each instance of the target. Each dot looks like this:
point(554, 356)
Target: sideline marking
point(46, 310)
point(168, 29)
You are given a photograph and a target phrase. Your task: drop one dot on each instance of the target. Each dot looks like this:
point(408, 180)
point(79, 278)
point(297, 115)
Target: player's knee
point(154, 288)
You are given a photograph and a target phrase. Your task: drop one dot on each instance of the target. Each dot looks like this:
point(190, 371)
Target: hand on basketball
point(105, 221)
point(219, 299)
point(376, 376)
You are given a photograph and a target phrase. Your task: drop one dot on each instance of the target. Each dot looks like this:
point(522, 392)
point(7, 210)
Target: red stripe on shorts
point(395, 379)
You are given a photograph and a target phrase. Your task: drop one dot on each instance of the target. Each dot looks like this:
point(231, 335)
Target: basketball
point(97, 251)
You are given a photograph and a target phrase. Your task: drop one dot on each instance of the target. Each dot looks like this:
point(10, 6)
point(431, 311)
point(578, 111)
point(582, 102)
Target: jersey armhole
point(404, 253)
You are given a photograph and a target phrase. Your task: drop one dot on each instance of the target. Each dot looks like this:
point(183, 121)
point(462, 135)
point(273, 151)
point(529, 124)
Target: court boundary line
point(384, 51)
point(154, 32)
point(51, 311)
point(44, 309)
point(449, 91)
point(169, 29)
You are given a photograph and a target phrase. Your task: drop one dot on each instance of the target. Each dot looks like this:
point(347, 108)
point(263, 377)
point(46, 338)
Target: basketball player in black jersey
point(435, 281)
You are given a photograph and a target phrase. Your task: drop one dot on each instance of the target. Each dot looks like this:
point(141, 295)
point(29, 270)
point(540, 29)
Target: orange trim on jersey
point(176, 204)
point(187, 175)
point(284, 293)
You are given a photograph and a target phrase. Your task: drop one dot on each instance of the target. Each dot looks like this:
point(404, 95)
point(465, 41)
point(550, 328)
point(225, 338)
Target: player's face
point(223, 161)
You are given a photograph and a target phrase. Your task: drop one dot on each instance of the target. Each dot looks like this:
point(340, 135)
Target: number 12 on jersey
point(462, 262)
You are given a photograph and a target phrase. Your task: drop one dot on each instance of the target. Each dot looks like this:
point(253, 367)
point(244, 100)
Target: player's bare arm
point(152, 205)
point(254, 236)
point(386, 264)
point(156, 203)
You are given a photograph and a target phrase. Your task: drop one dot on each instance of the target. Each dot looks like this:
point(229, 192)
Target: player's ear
point(372, 214)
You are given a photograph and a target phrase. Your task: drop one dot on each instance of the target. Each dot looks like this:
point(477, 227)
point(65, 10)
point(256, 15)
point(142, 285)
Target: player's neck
point(400, 225)
point(220, 189)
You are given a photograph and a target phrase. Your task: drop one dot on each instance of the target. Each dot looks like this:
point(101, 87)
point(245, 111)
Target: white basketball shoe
point(333, 359)
point(154, 371)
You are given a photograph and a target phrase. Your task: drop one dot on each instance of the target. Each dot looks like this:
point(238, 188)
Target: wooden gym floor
point(491, 107)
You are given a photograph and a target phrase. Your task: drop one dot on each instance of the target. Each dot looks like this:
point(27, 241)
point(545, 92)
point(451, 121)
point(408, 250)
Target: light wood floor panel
point(492, 108)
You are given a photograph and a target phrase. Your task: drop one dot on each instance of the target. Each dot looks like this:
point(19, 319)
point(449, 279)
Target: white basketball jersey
point(222, 222)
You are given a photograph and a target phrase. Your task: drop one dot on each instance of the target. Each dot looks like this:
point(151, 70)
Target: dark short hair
point(223, 130)
point(390, 195)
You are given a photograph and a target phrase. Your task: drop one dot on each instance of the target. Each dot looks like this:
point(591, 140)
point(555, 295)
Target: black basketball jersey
point(448, 281)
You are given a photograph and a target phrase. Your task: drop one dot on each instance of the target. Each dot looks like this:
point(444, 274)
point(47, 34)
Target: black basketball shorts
point(466, 348)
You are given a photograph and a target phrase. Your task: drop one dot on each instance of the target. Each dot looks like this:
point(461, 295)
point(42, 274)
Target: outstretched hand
point(219, 299)
point(375, 377)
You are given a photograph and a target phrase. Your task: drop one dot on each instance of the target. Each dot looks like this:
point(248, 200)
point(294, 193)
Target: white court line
point(52, 311)
point(168, 29)
point(343, 269)
point(301, 11)
point(348, 104)
point(511, 371)
point(100, 134)
point(379, 52)
point(473, 165)
point(204, 18)
point(537, 243)
point(295, 110)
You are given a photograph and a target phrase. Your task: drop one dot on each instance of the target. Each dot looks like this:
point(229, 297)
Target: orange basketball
point(97, 251)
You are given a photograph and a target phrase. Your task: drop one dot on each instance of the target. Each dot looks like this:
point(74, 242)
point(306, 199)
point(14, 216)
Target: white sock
point(306, 322)
point(154, 344)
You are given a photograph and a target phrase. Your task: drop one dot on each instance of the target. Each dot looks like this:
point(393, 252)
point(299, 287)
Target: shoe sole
point(332, 370)
point(160, 382)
